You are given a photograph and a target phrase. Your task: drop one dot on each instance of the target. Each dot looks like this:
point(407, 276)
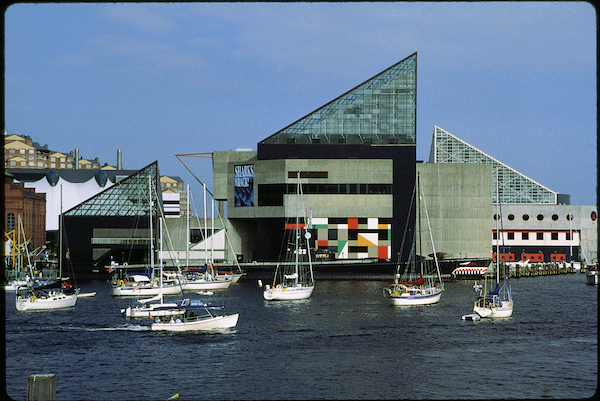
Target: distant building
point(27, 207)
point(22, 152)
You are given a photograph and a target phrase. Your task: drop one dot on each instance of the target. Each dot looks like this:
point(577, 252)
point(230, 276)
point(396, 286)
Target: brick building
point(28, 206)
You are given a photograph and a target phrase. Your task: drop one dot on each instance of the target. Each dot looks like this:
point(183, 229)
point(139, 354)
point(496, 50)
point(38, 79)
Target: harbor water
point(345, 342)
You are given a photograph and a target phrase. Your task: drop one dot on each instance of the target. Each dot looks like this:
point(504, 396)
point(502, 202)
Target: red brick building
point(30, 206)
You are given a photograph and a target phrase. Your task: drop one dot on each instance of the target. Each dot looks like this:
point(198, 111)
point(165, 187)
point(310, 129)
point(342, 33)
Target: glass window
point(10, 222)
point(540, 217)
point(540, 236)
point(554, 236)
point(525, 236)
point(525, 217)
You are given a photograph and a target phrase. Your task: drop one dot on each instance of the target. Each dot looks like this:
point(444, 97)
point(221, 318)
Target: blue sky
point(514, 79)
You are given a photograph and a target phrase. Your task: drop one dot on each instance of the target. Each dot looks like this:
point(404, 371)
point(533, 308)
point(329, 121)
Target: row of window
point(539, 236)
point(272, 194)
point(540, 217)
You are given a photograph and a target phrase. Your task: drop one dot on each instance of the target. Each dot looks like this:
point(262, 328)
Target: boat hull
point(592, 277)
point(206, 285)
point(429, 297)
point(212, 323)
point(132, 291)
point(505, 310)
point(58, 301)
point(288, 293)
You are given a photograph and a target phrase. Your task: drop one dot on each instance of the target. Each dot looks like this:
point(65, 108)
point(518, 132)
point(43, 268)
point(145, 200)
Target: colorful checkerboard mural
point(352, 238)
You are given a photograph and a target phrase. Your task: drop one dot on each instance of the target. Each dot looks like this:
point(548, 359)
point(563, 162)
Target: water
point(345, 342)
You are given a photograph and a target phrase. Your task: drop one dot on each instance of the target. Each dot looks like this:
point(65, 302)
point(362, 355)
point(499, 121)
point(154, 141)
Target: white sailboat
point(203, 279)
point(57, 295)
point(416, 286)
point(141, 284)
point(497, 303)
point(155, 306)
point(294, 280)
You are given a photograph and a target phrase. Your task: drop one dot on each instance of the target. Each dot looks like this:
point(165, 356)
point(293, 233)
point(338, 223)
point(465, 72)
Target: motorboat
point(196, 316)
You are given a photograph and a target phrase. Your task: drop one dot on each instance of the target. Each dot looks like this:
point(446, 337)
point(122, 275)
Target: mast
point(187, 231)
point(497, 232)
point(60, 242)
point(161, 260)
point(151, 232)
point(205, 230)
point(437, 267)
point(419, 221)
point(297, 218)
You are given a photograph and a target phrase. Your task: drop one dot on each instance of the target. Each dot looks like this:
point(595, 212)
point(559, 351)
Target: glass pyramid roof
point(128, 197)
point(381, 110)
point(513, 187)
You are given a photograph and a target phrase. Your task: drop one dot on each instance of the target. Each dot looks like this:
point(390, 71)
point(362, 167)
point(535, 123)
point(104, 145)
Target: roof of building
point(71, 175)
point(381, 110)
point(511, 185)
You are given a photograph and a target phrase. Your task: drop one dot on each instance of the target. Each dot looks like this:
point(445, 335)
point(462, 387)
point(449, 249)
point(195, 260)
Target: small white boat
point(45, 298)
point(592, 275)
point(415, 288)
point(86, 294)
point(197, 282)
point(151, 310)
point(294, 279)
point(140, 285)
point(472, 316)
point(405, 294)
point(286, 293)
point(197, 316)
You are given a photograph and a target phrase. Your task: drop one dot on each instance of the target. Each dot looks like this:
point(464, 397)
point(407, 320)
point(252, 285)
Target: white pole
point(187, 231)
point(212, 237)
point(205, 229)
point(151, 233)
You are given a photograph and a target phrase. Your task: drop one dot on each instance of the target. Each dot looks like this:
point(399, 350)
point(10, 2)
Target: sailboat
point(498, 302)
point(56, 295)
point(416, 286)
point(204, 278)
point(294, 280)
point(155, 306)
point(141, 284)
point(15, 248)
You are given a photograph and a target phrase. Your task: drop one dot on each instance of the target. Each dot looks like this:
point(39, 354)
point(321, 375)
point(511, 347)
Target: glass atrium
point(381, 110)
point(128, 197)
point(513, 187)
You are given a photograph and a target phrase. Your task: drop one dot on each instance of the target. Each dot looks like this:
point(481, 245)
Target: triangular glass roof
point(381, 110)
point(513, 187)
point(128, 197)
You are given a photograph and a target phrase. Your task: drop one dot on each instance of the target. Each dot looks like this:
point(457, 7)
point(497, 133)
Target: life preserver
point(121, 282)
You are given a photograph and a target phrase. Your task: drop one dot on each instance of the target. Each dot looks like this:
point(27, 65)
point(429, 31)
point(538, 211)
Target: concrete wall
point(458, 199)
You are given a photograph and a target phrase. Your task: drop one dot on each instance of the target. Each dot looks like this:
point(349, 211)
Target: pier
point(541, 269)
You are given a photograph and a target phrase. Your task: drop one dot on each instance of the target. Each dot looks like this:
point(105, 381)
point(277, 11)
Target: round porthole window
point(525, 217)
point(511, 217)
point(495, 217)
point(569, 217)
point(593, 216)
point(540, 217)
point(555, 217)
